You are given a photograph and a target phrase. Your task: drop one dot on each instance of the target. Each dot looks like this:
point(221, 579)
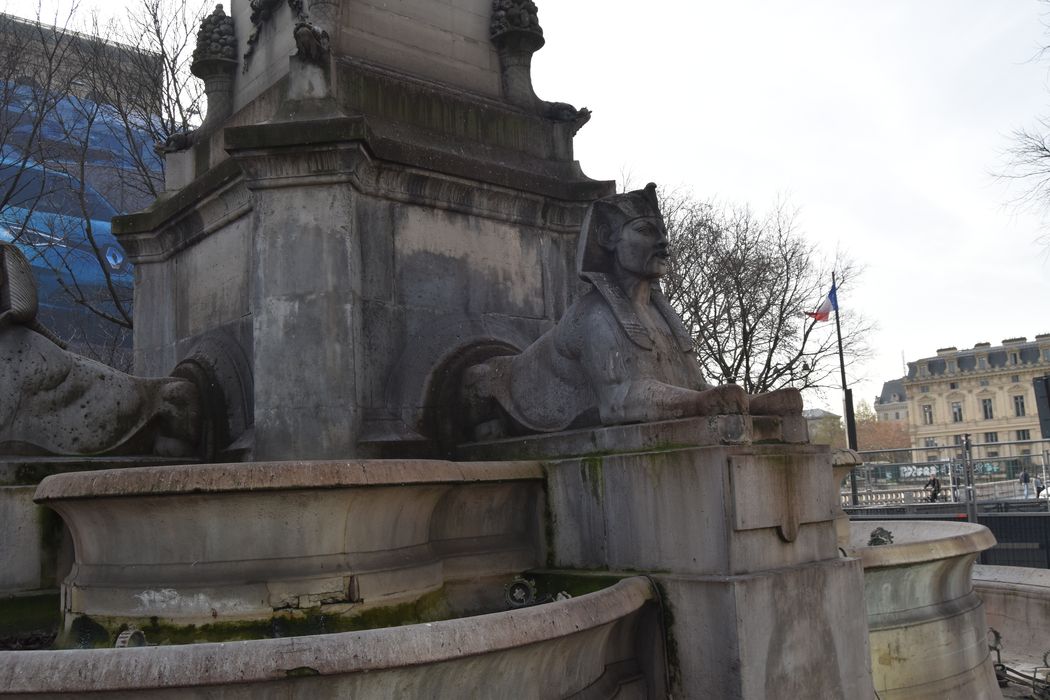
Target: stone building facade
point(985, 391)
point(892, 403)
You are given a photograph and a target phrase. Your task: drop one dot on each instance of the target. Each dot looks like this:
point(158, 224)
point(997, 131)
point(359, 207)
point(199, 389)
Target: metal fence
point(980, 483)
point(967, 472)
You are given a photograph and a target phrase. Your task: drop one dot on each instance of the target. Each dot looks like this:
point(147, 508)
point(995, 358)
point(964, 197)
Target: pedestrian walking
point(934, 485)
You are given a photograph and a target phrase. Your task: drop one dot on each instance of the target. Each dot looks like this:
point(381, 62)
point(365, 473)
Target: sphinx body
point(53, 401)
point(620, 354)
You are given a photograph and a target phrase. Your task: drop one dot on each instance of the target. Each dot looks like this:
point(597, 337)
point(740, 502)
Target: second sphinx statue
point(620, 354)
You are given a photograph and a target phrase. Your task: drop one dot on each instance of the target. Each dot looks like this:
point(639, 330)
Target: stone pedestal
point(734, 519)
point(355, 256)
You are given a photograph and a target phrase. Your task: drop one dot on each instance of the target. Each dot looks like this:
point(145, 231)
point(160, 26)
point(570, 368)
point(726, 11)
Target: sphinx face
point(641, 248)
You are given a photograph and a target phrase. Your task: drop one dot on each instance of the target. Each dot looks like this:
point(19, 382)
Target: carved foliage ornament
point(262, 12)
point(514, 15)
point(216, 38)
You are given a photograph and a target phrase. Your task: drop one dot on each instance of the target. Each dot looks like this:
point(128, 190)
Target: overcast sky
point(883, 121)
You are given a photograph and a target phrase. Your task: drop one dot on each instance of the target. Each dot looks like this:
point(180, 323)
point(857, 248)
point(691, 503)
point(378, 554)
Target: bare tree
point(743, 282)
point(1028, 158)
point(69, 132)
point(154, 45)
point(1029, 164)
point(32, 57)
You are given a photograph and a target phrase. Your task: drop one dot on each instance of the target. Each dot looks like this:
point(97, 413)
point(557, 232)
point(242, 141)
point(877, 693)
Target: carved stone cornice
point(347, 150)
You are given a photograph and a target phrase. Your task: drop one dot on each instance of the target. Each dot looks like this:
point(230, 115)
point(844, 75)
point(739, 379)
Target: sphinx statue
point(53, 401)
point(620, 354)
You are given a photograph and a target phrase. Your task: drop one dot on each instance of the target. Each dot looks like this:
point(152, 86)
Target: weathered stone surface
point(927, 625)
point(20, 547)
point(1017, 605)
point(55, 402)
point(36, 550)
point(709, 511)
point(345, 535)
point(59, 403)
point(740, 537)
point(592, 644)
point(791, 632)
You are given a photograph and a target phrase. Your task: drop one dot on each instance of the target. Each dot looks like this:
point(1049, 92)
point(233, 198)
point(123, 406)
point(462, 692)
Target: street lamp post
point(971, 487)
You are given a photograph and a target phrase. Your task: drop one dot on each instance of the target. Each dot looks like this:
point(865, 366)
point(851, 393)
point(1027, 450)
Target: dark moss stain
point(301, 671)
point(592, 475)
point(674, 668)
point(29, 614)
point(550, 523)
point(575, 583)
point(51, 529)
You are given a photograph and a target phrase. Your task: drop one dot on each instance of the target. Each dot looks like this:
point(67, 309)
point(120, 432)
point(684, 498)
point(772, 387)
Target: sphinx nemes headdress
point(613, 211)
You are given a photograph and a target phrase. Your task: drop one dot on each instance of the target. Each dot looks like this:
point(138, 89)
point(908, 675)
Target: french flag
point(829, 304)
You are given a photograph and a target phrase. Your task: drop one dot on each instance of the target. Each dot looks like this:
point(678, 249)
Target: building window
point(953, 385)
point(951, 365)
point(1015, 378)
point(923, 372)
point(982, 363)
point(1019, 406)
point(957, 439)
point(956, 412)
point(924, 389)
point(1046, 354)
point(992, 453)
point(930, 442)
point(991, 437)
point(984, 382)
point(1013, 358)
point(986, 408)
point(927, 414)
point(1024, 434)
point(896, 415)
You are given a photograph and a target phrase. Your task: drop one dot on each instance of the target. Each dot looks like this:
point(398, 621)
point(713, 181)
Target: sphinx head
point(625, 235)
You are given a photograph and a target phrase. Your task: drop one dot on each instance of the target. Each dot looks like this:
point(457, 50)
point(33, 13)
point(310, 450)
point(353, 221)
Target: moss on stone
point(26, 614)
point(575, 583)
point(102, 632)
point(674, 668)
point(591, 473)
point(549, 520)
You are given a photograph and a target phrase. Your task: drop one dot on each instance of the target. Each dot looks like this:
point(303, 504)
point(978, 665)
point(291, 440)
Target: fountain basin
point(926, 623)
point(207, 544)
point(598, 644)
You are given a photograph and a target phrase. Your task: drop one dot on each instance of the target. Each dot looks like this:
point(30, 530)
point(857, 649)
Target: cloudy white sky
point(883, 121)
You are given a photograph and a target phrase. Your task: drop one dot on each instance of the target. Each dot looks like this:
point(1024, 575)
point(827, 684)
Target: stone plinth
point(355, 259)
point(207, 544)
point(603, 644)
point(928, 631)
point(738, 534)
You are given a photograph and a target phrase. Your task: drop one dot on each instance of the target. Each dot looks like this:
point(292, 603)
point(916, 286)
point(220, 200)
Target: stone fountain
point(426, 426)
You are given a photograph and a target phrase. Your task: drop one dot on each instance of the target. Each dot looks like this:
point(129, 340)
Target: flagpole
point(851, 421)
